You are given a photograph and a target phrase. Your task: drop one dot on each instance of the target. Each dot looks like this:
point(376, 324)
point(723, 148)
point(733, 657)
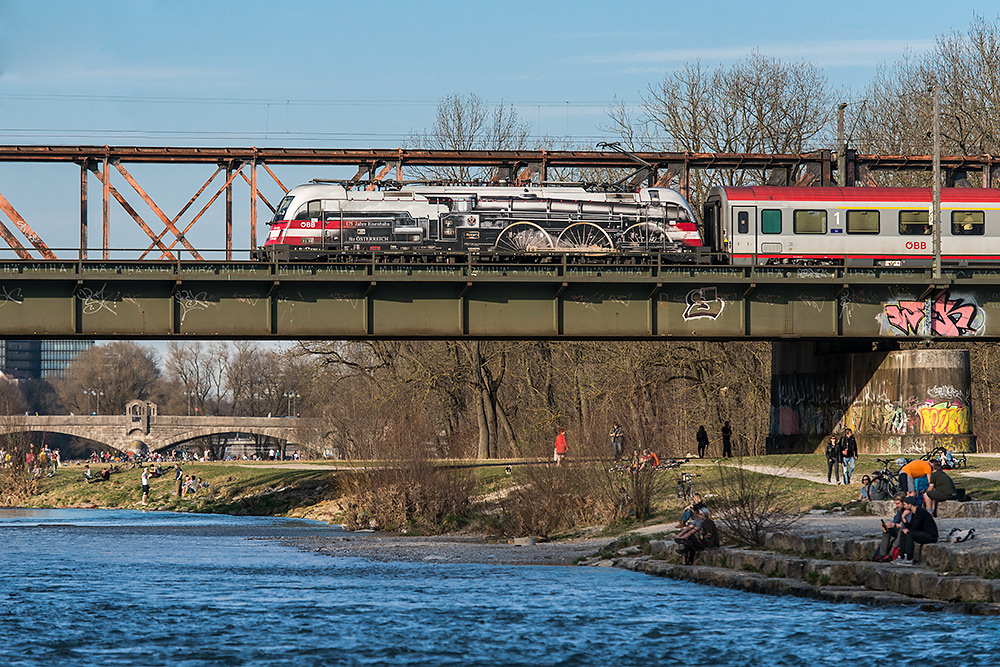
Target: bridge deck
point(481, 297)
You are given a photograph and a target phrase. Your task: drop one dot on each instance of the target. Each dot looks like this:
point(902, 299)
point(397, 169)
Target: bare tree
point(106, 377)
point(758, 105)
point(469, 123)
point(896, 117)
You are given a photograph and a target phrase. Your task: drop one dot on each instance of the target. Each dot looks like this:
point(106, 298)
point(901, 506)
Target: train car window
point(313, 209)
point(283, 208)
point(742, 222)
point(770, 221)
point(967, 223)
point(914, 223)
point(809, 222)
point(862, 222)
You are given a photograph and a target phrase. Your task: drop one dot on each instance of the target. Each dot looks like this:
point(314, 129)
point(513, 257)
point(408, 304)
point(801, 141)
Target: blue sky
point(349, 74)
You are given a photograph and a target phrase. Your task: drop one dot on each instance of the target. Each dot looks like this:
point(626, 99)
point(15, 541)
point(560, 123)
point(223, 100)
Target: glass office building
point(40, 358)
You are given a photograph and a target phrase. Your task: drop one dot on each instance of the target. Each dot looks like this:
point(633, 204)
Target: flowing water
point(90, 587)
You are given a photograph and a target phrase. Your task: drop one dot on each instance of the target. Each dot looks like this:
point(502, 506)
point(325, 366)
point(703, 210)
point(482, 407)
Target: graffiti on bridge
point(945, 315)
point(703, 303)
point(944, 419)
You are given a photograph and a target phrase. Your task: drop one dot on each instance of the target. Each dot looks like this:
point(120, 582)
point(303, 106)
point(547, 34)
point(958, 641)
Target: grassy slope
point(276, 490)
point(233, 489)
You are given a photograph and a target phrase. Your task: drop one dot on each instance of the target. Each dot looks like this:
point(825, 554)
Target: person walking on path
point(617, 440)
point(702, 439)
point(848, 454)
point(727, 441)
point(145, 484)
point(561, 447)
point(832, 461)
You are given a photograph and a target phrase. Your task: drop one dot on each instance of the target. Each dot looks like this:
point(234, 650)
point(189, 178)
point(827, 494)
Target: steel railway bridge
point(833, 365)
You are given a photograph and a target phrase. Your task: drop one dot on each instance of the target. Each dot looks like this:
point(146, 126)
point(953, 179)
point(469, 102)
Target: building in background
point(47, 359)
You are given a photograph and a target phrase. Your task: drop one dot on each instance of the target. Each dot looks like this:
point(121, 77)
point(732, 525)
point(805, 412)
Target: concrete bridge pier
point(896, 401)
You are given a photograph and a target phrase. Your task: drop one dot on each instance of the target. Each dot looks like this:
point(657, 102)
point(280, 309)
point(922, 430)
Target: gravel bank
point(446, 549)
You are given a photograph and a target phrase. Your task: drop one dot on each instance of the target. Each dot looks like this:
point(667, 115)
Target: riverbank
point(828, 557)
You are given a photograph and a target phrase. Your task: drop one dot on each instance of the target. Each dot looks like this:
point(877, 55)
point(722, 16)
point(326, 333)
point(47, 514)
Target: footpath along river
point(91, 587)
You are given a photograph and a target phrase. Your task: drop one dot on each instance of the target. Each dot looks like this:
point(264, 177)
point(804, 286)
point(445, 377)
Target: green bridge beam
point(481, 298)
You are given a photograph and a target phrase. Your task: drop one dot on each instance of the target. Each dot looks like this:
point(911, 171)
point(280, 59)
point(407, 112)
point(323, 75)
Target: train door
point(744, 234)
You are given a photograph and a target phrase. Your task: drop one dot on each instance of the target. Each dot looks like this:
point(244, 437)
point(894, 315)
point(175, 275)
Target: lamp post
point(937, 182)
point(290, 395)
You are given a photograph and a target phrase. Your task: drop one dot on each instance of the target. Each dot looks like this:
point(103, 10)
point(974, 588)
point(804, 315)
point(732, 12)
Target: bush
point(410, 495)
point(750, 505)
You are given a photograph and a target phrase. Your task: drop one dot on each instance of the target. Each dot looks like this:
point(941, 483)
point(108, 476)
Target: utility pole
point(937, 183)
point(841, 147)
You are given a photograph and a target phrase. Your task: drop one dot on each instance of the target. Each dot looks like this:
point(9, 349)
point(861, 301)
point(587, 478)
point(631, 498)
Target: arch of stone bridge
point(82, 432)
point(283, 434)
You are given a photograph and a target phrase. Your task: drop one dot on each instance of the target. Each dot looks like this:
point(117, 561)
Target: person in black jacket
point(848, 454)
point(702, 438)
point(918, 528)
point(832, 460)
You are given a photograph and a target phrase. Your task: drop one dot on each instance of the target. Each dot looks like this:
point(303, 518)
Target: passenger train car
point(861, 226)
point(321, 219)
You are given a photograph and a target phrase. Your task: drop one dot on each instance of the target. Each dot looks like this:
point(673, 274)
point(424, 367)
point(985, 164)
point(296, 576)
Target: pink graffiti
point(950, 317)
point(905, 315)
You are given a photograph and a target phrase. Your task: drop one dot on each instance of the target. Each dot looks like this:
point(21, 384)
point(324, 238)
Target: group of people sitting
point(918, 477)
point(90, 478)
point(698, 530)
point(921, 483)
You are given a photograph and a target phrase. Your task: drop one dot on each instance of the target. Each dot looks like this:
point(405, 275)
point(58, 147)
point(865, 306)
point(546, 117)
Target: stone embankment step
point(837, 569)
point(979, 509)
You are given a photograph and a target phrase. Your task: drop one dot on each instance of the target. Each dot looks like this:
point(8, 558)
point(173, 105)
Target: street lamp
point(290, 395)
point(93, 394)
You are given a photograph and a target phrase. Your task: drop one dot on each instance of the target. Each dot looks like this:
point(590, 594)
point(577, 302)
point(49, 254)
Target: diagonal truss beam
point(156, 211)
point(181, 212)
point(26, 229)
point(103, 176)
point(200, 213)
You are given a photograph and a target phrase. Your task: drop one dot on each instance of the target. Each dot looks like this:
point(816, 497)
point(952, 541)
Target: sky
point(356, 75)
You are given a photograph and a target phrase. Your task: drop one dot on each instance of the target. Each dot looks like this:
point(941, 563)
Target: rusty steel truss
point(168, 234)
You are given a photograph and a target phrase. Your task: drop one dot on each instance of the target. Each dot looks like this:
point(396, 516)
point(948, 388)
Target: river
point(92, 587)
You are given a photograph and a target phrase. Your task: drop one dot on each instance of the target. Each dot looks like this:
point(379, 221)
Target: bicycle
point(685, 486)
point(950, 462)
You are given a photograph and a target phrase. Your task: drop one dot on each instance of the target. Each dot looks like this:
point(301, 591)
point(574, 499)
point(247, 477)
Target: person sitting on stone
point(866, 488)
point(693, 539)
point(690, 511)
point(941, 488)
point(919, 527)
point(890, 531)
point(915, 476)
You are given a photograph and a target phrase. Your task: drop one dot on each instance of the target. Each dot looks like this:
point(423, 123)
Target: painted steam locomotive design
point(859, 226)
point(321, 219)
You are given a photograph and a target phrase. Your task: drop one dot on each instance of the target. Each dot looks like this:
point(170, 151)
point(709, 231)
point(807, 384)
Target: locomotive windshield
point(282, 208)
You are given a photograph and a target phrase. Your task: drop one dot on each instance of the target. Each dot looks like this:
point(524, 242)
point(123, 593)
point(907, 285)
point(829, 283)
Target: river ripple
point(83, 587)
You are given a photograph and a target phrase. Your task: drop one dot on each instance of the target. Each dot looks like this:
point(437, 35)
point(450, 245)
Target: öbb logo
point(916, 245)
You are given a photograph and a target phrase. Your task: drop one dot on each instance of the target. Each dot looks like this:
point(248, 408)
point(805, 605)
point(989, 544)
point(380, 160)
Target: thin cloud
point(840, 54)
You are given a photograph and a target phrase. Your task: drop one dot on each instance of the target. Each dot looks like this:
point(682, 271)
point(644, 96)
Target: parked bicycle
point(946, 458)
point(685, 485)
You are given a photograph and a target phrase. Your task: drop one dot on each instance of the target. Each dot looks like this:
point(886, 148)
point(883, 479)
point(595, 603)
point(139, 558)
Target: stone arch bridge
point(141, 428)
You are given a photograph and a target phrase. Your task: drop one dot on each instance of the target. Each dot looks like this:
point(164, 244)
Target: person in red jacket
point(561, 447)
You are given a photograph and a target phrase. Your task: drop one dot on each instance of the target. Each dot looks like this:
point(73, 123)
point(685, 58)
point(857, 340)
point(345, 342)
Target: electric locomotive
point(322, 219)
point(858, 226)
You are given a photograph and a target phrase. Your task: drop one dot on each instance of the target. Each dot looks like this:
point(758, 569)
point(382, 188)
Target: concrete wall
point(897, 402)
